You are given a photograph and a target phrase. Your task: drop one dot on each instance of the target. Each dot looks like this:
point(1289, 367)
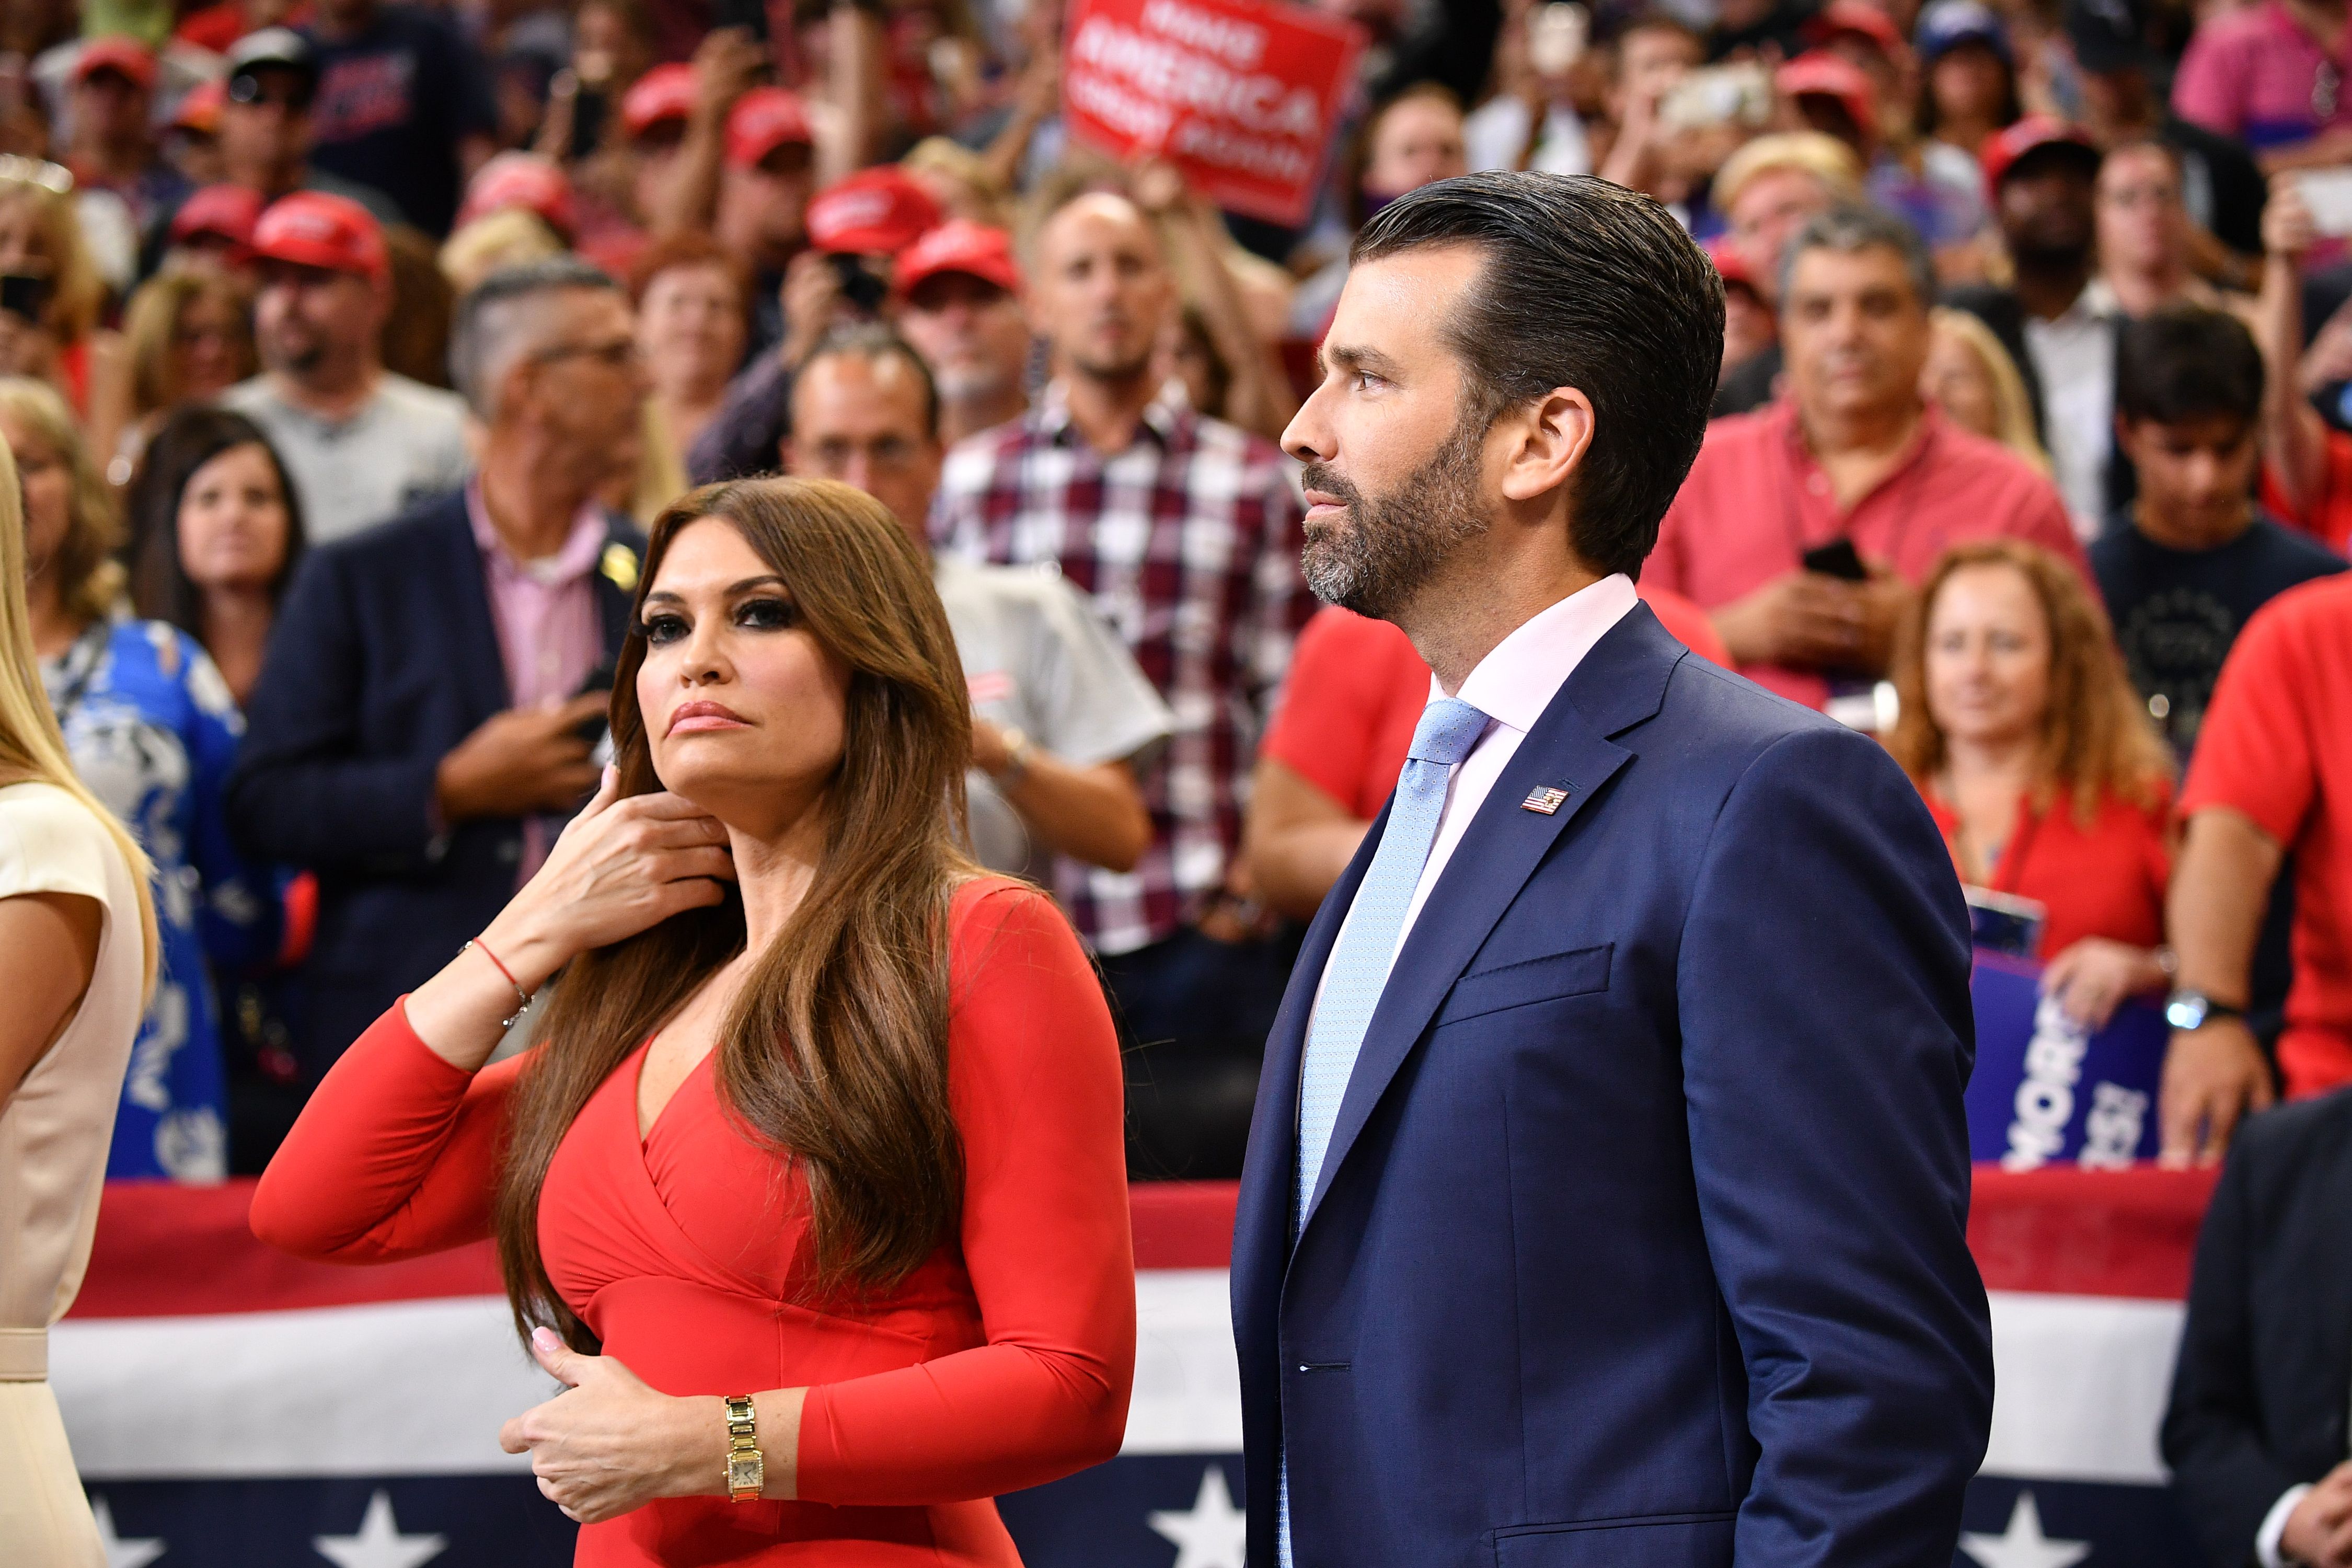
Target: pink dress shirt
point(549, 636)
point(1756, 500)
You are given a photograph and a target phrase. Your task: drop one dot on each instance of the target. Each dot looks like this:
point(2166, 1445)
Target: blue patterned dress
point(153, 730)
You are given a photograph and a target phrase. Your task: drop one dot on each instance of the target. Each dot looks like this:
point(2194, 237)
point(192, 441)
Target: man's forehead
point(1098, 217)
point(1394, 303)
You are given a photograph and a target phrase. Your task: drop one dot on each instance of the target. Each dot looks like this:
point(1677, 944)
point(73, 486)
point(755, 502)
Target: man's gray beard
point(1392, 545)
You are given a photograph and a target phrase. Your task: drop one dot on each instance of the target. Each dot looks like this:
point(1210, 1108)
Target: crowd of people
point(350, 351)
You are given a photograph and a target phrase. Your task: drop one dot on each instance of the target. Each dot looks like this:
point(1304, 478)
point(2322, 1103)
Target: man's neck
point(1858, 447)
point(1463, 613)
point(1106, 409)
point(335, 395)
point(272, 180)
point(123, 159)
point(2143, 292)
point(970, 415)
point(2170, 534)
point(2048, 285)
point(532, 502)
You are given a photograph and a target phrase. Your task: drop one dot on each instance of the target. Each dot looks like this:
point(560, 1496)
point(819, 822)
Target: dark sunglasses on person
point(292, 95)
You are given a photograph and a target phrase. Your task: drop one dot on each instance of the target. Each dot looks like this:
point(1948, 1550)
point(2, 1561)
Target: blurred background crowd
point(346, 347)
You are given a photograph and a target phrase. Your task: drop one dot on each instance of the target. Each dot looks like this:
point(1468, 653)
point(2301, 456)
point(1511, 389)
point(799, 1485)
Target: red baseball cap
point(114, 52)
point(1831, 76)
point(311, 228)
point(1857, 19)
point(1731, 266)
point(224, 212)
point(200, 107)
point(961, 245)
point(763, 120)
point(876, 211)
point(522, 180)
point(2030, 134)
point(665, 92)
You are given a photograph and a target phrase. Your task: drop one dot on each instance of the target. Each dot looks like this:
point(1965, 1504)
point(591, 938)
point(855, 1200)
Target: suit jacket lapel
point(1619, 683)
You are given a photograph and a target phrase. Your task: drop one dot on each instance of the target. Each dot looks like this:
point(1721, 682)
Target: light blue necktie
point(1359, 967)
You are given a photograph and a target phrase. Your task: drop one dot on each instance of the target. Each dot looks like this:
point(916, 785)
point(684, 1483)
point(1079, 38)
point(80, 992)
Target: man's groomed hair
point(2186, 362)
point(1589, 284)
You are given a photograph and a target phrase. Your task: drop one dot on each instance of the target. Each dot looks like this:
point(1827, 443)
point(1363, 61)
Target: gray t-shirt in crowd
point(405, 444)
point(1037, 660)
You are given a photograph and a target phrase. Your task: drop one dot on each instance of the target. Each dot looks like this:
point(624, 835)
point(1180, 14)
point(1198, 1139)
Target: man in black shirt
point(2184, 566)
point(403, 104)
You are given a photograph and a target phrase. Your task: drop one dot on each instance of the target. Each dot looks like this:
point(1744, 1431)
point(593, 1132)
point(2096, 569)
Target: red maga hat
point(763, 120)
point(522, 180)
point(311, 228)
point(200, 107)
point(875, 212)
point(2030, 134)
point(128, 57)
point(224, 212)
point(665, 92)
point(961, 245)
point(1831, 76)
point(1854, 19)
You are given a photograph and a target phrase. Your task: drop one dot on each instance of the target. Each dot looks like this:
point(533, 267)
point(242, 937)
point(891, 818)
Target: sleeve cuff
point(2267, 1539)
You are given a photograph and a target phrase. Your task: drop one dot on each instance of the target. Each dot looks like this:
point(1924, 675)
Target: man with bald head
point(1184, 533)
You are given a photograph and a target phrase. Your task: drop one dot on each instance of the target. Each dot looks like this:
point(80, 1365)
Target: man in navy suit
point(416, 736)
point(1606, 1198)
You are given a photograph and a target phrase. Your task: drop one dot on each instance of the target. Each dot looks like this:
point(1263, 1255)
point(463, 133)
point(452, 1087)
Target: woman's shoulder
point(51, 842)
point(992, 917)
point(989, 902)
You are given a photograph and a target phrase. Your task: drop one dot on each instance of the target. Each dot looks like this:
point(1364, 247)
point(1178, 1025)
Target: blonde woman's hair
point(1826, 158)
point(151, 326)
point(77, 293)
point(507, 237)
point(90, 581)
point(951, 160)
point(2097, 739)
point(32, 747)
point(2011, 408)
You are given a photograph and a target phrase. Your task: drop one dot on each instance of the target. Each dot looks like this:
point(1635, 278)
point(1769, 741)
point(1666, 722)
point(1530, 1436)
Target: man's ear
point(1548, 443)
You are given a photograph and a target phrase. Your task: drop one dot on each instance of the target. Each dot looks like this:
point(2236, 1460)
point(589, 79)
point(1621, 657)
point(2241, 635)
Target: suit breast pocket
point(1546, 979)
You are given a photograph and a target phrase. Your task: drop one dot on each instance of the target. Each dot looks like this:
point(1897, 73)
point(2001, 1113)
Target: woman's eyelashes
point(769, 614)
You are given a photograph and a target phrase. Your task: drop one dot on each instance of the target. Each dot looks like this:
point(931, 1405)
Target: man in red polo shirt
point(1851, 457)
point(2271, 777)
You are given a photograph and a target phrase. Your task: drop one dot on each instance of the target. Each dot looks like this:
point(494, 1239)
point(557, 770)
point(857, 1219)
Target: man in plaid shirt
point(1185, 534)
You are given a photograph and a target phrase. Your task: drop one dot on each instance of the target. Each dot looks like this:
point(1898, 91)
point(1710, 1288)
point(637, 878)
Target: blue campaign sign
point(2045, 1091)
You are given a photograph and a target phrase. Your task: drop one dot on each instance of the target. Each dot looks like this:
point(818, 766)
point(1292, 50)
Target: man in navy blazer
point(415, 735)
point(1633, 1040)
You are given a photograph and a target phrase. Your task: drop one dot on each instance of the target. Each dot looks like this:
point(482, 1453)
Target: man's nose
point(1308, 438)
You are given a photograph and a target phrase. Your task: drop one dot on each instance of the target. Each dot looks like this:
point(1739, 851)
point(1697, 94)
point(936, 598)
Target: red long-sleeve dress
point(1003, 1361)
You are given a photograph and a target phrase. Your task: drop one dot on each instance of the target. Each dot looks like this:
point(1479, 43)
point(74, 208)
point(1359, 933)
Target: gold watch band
point(747, 1472)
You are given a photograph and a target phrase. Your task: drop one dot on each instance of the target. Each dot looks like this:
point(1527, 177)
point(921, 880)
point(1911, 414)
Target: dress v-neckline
point(645, 1130)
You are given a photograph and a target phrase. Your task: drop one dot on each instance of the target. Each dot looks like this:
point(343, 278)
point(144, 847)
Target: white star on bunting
point(379, 1544)
point(122, 1553)
point(1213, 1533)
point(2023, 1545)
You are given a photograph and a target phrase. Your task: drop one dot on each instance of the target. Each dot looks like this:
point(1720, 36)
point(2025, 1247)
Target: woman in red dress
point(2024, 735)
point(822, 1117)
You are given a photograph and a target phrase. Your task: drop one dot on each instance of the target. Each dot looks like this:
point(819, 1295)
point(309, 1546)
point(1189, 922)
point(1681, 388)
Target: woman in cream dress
point(76, 957)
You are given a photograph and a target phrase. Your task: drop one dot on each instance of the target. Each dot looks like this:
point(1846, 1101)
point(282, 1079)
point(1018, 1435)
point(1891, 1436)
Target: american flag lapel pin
point(1544, 800)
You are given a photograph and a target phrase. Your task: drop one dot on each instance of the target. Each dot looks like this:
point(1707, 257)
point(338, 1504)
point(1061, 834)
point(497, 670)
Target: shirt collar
point(1162, 416)
point(576, 558)
point(1516, 681)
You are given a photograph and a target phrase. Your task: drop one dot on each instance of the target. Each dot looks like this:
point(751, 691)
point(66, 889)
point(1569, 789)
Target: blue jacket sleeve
point(1827, 1038)
point(305, 792)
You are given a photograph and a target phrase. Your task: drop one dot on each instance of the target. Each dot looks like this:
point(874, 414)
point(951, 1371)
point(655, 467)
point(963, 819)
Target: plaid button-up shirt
point(1187, 543)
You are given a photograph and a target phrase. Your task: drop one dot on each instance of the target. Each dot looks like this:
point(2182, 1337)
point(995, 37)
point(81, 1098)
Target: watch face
point(745, 1472)
point(2185, 1012)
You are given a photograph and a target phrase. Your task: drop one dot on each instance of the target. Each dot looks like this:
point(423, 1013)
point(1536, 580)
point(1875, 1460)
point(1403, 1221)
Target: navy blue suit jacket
point(384, 657)
point(1640, 1238)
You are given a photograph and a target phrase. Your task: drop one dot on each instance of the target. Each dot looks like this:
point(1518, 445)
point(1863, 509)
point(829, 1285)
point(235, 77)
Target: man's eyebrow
point(1353, 356)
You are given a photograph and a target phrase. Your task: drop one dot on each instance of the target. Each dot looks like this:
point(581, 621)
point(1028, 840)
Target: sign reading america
point(1243, 97)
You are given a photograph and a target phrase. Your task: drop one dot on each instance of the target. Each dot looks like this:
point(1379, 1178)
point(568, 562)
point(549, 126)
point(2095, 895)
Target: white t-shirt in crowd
point(1037, 659)
point(405, 445)
point(2075, 355)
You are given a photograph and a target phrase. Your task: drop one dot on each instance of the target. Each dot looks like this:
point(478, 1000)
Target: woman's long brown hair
point(835, 1051)
point(2096, 739)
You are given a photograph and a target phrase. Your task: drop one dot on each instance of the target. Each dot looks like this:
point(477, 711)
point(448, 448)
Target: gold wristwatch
point(747, 1472)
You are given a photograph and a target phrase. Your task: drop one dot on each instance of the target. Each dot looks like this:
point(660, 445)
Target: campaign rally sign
point(1242, 96)
point(233, 1407)
point(2047, 1092)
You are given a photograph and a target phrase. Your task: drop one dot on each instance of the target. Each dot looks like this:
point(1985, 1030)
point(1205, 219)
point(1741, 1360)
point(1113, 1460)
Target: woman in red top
point(2024, 733)
point(821, 1115)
